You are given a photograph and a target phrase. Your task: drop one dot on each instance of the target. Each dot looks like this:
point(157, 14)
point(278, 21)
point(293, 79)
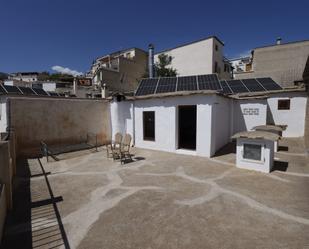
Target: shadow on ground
point(35, 221)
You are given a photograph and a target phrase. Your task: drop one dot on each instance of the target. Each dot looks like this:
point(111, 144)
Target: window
point(149, 125)
point(216, 47)
point(284, 104)
point(253, 152)
point(216, 67)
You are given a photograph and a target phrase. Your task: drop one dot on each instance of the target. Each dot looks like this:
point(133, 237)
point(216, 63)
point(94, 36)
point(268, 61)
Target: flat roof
point(257, 135)
point(282, 44)
point(189, 43)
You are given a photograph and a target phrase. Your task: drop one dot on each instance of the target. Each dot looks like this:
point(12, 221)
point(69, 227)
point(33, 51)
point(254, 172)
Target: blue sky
point(39, 34)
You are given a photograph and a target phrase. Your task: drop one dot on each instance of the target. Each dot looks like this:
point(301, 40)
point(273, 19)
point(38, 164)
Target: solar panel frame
point(27, 90)
point(12, 89)
point(147, 87)
point(253, 85)
point(2, 90)
point(187, 83)
point(53, 94)
point(40, 92)
point(166, 84)
point(269, 84)
point(208, 82)
point(237, 86)
point(225, 87)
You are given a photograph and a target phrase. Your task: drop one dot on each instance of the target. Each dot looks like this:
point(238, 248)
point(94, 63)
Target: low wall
point(2, 209)
point(57, 121)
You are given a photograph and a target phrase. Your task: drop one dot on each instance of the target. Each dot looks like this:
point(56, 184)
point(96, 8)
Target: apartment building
point(205, 56)
point(283, 62)
point(119, 71)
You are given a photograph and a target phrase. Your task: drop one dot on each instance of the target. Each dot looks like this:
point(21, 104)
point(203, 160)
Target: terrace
point(161, 200)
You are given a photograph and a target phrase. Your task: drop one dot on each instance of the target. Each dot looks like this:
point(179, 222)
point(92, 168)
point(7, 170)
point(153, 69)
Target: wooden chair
point(125, 148)
point(113, 149)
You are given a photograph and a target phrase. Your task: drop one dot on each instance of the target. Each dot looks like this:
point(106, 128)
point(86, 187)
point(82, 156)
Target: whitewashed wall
point(267, 162)
point(293, 118)
point(166, 135)
point(193, 59)
point(3, 115)
point(248, 113)
point(221, 120)
point(122, 117)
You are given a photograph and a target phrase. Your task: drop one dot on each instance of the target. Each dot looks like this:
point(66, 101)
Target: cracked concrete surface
point(167, 200)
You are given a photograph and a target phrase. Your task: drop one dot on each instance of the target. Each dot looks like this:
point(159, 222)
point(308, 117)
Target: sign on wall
point(250, 111)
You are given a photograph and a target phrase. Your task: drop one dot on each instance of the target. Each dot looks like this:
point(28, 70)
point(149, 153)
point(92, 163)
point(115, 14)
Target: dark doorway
point(187, 127)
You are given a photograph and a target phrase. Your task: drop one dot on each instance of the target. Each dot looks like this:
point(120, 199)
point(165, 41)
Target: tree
point(162, 68)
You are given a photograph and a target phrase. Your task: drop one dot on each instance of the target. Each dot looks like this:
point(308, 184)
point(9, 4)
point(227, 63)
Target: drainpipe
point(151, 60)
point(133, 124)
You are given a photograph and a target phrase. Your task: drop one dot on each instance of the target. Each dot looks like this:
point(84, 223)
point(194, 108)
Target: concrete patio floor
point(161, 200)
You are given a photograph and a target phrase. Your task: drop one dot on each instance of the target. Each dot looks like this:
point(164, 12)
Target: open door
point(187, 127)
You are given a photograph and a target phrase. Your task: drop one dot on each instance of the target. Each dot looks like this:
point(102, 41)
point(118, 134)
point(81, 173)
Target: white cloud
point(244, 54)
point(66, 70)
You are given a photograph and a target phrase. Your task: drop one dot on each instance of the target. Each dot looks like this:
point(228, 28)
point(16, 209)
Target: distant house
point(119, 71)
point(241, 65)
point(284, 62)
point(24, 76)
point(205, 56)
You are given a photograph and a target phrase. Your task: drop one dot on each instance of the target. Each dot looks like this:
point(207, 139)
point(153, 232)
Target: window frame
point(283, 107)
point(146, 138)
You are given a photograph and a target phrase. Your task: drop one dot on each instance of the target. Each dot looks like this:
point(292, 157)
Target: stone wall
point(57, 121)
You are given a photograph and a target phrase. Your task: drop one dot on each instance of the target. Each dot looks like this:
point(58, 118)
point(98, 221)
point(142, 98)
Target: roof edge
point(189, 43)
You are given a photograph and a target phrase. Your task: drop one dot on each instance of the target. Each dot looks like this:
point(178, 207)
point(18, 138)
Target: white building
point(241, 65)
point(24, 76)
point(201, 122)
point(205, 56)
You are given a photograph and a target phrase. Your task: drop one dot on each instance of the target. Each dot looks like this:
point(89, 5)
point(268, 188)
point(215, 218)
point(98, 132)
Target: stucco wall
point(248, 113)
point(221, 122)
point(193, 59)
point(57, 121)
point(284, 63)
point(293, 118)
point(166, 122)
point(267, 162)
point(3, 116)
point(122, 117)
point(2, 209)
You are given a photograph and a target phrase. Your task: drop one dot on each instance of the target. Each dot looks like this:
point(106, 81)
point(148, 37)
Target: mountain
point(3, 76)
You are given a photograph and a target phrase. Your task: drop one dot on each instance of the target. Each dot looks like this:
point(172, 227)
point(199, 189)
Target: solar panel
point(2, 91)
point(237, 86)
point(187, 83)
point(53, 94)
point(40, 91)
point(225, 88)
point(12, 89)
point(166, 85)
point(208, 82)
point(27, 90)
point(147, 86)
point(253, 85)
point(269, 84)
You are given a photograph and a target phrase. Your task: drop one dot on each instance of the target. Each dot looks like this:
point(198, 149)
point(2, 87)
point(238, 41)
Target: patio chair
point(125, 148)
point(113, 149)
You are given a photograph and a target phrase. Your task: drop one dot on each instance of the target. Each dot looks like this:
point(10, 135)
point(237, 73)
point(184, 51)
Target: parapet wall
point(57, 121)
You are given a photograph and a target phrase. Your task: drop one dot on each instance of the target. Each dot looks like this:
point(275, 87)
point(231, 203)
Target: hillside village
point(125, 152)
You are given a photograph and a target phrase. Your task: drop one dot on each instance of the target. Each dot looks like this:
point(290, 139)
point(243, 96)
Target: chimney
point(74, 85)
point(104, 91)
point(278, 40)
point(151, 60)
